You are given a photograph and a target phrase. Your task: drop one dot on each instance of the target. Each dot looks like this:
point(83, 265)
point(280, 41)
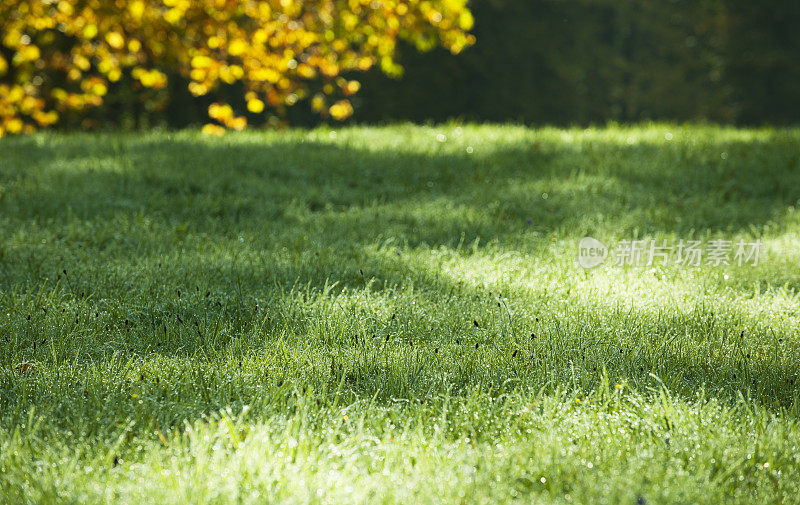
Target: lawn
point(397, 315)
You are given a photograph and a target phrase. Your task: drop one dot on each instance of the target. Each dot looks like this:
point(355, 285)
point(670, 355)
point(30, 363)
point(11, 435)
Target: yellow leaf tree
point(64, 55)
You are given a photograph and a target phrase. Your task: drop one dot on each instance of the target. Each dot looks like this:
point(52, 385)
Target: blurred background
point(537, 62)
point(590, 61)
point(568, 62)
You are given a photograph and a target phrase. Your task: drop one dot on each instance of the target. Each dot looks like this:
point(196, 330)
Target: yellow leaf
point(81, 62)
point(30, 53)
point(13, 125)
point(255, 105)
point(465, 20)
point(341, 110)
point(260, 36)
point(59, 94)
point(318, 102)
point(220, 111)
point(172, 16)
point(265, 75)
point(202, 61)
point(237, 47)
point(212, 129)
point(237, 123)
point(197, 89)
point(65, 7)
point(90, 31)
point(136, 8)
point(236, 71)
point(115, 40)
point(351, 87)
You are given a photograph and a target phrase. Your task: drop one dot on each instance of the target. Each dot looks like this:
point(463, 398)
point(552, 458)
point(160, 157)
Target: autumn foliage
point(62, 56)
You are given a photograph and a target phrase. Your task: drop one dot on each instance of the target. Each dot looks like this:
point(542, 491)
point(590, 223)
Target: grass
point(396, 315)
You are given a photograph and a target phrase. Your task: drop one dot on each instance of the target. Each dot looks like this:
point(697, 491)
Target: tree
point(60, 55)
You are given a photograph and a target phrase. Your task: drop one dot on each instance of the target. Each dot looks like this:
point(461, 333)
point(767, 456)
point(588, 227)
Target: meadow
point(396, 315)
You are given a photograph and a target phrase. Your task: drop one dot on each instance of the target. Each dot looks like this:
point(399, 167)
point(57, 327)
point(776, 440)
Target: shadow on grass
point(211, 185)
point(135, 220)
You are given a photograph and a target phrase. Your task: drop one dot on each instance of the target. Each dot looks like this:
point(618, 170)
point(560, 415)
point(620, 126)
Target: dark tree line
point(580, 62)
point(591, 61)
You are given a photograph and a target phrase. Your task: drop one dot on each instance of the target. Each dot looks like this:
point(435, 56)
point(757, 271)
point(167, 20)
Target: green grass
point(378, 315)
